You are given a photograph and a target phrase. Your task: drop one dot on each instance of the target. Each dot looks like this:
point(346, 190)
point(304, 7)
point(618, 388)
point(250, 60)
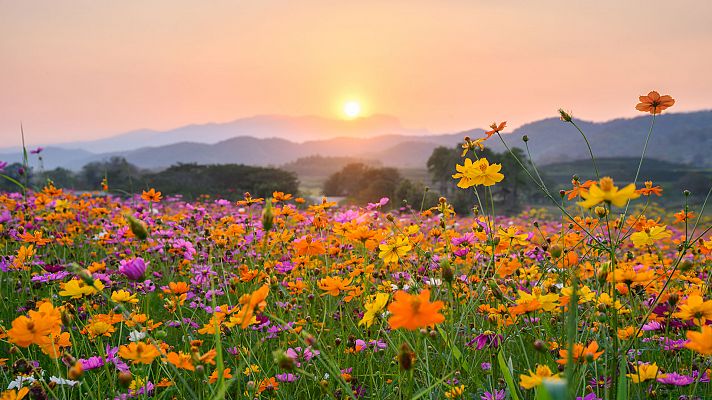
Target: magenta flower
point(300, 355)
point(133, 269)
point(676, 379)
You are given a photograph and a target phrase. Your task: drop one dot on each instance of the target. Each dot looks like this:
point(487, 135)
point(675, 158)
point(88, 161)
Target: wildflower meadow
point(599, 296)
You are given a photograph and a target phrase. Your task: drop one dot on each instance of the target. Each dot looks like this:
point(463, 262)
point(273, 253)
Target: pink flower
point(134, 269)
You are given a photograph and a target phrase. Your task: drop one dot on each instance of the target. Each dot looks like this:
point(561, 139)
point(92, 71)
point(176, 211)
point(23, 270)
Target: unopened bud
point(268, 216)
point(137, 227)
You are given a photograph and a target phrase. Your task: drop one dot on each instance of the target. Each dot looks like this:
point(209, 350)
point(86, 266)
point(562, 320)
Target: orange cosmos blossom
point(152, 195)
point(700, 342)
point(334, 285)
point(650, 189)
point(414, 311)
point(309, 247)
point(226, 375)
point(181, 360)
point(36, 327)
point(580, 353)
point(654, 103)
point(495, 128)
point(15, 395)
point(139, 352)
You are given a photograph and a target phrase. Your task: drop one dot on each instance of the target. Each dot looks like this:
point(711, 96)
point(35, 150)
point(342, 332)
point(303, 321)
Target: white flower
point(62, 381)
point(135, 336)
point(18, 382)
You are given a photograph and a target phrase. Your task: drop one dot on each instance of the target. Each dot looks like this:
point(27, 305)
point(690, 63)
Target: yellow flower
point(481, 172)
point(643, 372)
point(648, 236)
point(547, 302)
point(124, 296)
point(394, 249)
point(535, 379)
point(99, 328)
point(605, 191)
point(377, 303)
point(696, 309)
point(77, 288)
point(456, 392)
point(15, 395)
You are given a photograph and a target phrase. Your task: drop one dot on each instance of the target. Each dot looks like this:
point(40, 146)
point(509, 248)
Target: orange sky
point(86, 69)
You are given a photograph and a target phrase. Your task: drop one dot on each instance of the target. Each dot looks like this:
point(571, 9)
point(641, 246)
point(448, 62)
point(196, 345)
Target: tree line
point(229, 181)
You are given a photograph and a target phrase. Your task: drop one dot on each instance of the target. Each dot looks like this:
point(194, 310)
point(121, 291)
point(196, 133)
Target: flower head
point(654, 103)
point(414, 311)
point(134, 269)
point(605, 191)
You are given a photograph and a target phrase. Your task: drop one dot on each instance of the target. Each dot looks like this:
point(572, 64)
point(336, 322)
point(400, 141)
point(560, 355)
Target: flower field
point(152, 296)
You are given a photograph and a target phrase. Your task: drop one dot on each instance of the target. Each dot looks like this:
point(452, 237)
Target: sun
point(352, 109)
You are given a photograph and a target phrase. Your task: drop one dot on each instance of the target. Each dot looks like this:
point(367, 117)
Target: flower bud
point(282, 360)
point(565, 116)
point(125, 379)
point(137, 227)
point(406, 357)
point(446, 271)
point(525, 138)
point(268, 216)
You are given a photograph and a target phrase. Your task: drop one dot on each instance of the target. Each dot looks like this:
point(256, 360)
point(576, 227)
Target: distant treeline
point(229, 181)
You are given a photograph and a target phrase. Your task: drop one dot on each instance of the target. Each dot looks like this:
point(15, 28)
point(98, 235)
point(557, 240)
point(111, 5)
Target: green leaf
point(622, 382)
point(507, 376)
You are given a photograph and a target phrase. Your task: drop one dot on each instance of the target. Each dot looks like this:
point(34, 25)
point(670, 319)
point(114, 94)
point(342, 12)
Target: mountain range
point(275, 140)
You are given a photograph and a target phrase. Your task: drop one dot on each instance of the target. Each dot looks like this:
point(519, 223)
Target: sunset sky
point(87, 69)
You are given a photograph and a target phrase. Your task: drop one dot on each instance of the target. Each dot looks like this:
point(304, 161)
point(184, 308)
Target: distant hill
point(684, 138)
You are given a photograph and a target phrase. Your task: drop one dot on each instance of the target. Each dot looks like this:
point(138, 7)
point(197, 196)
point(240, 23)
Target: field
point(602, 295)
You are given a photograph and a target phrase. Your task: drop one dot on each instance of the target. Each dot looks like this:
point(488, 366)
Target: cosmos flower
point(605, 191)
point(134, 268)
point(414, 311)
point(654, 103)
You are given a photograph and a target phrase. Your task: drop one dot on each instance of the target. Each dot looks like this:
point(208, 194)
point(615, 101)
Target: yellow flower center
point(606, 184)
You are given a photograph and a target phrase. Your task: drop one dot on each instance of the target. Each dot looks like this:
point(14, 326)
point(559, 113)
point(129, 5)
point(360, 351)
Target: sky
point(89, 69)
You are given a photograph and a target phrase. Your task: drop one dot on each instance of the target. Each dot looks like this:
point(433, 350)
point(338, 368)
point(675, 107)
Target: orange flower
point(152, 195)
point(414, 311)
point(700, 342)
point(683, 216)
point(181, 360)
point(226, 375)
point(14, 395)
point(650, 189)
point(177, 288)
point(580, 354)
point(268, 384)
point(35, 328)
point(578, 188)
point(309, 247)
point(495, 128)
point(139, 352)
point(654, 103)
point(334, 285)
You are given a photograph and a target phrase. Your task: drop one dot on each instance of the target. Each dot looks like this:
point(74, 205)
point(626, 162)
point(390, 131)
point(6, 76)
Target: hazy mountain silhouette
point(678, 137)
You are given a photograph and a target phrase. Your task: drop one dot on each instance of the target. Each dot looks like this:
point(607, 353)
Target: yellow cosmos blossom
point(696, 309)
point(481, 172)
point(535, 378)
point(373, 307)
point(124, 296)
point(395, 249)
point(605, 191)
point(643, 372)
point(649, 236)
point(77, 288)
point(547, 302)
